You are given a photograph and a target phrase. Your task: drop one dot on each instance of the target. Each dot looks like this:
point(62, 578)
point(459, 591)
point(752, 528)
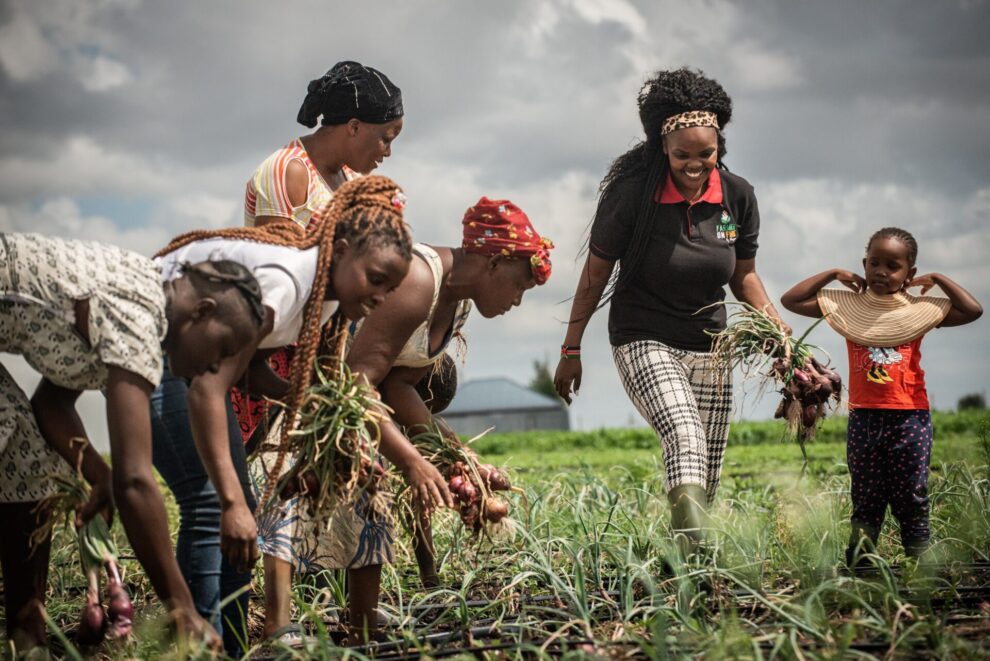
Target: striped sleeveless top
point(267, 195)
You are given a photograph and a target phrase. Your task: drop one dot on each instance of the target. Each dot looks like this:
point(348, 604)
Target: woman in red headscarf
point(500, 258)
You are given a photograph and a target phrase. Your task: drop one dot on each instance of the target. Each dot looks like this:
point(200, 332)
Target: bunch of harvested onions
point(335, 443)
point(97, 551)
point(756, 343)
point(471, 483)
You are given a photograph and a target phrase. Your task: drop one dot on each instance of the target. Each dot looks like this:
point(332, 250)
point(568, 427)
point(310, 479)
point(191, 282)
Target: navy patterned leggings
point(888, 452)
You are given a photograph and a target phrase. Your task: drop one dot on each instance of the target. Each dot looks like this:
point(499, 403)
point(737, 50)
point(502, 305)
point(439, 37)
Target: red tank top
point(886, 378)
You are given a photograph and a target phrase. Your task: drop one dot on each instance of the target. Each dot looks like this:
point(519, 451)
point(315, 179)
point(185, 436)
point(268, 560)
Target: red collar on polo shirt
point(670, 194)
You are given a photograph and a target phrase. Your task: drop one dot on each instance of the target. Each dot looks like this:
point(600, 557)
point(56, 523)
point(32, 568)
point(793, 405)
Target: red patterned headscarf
point(498, 227)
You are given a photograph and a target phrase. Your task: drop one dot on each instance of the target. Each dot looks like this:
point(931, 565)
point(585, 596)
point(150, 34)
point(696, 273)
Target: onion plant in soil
point(593, 560)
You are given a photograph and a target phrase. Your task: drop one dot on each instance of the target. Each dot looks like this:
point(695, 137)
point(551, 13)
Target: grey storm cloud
point(130, 121)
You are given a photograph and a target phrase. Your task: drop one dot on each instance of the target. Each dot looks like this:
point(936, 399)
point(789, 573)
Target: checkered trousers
point(678, 394)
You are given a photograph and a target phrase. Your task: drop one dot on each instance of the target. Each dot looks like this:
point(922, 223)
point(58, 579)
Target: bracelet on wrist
point(570, 352)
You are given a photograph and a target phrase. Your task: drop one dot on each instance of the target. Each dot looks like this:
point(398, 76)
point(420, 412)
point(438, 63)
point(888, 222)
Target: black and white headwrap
point(351, 91)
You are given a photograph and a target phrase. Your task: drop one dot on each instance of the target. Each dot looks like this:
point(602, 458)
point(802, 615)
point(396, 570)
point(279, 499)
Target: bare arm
point(208, 421)
point(372, 354)
point(386, 330)
point(399, 392)
point(802, 298)
point(142, 510)
point(206, 399)
point(591, 285)
point(747, 286)
point(55, 410)
point(375, 348)
point(965, 308)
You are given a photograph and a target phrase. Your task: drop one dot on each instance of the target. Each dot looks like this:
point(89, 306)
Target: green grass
point(592, 558)
point(754, 448)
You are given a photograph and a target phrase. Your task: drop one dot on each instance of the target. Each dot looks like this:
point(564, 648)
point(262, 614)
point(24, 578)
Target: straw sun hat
point(881, 321)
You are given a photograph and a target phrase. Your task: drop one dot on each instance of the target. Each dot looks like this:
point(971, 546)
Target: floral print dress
point(41, 278)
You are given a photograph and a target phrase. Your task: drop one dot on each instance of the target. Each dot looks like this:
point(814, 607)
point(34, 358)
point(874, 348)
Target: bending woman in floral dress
point(89, 316)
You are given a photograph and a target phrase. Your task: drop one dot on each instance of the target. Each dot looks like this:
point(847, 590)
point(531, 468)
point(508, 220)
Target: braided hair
point(212, 276)
point(898, 234)
point(665, 94)
point(365, 211)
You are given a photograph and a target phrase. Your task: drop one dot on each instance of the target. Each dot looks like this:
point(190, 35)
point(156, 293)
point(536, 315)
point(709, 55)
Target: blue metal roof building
point(505, 405)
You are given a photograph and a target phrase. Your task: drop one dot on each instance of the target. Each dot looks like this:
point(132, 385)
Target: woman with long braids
point(360, 113)
point(89, 316)
point(680, 227)
point(355, 253)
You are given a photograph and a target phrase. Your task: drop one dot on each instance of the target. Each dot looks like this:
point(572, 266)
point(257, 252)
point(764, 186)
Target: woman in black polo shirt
point(680, 226)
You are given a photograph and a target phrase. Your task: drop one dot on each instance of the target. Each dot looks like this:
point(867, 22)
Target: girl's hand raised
point(851, 280)
point(926, 282)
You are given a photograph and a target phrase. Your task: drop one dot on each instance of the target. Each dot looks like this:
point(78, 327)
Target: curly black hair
point(664, 94)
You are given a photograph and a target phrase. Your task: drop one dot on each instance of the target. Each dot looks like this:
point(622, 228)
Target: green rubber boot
point(687, 515)
point(862, 539)
point(915, 548)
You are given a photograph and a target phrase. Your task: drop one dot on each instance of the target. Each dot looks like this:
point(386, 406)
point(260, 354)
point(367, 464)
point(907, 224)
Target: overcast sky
point(129, 122)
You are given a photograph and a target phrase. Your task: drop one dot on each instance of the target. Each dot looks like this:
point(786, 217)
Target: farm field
point(591, 570)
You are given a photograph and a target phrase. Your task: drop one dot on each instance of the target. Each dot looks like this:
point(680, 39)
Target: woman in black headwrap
point(360, 112)
point(679, 226)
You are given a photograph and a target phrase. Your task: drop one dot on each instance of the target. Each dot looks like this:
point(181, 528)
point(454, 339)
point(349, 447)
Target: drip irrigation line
point(969, 592)
point(439, 645)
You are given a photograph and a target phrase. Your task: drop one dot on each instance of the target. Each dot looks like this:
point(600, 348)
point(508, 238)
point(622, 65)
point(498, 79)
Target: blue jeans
point(207, 572)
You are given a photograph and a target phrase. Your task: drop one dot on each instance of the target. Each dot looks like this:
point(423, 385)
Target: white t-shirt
point(285, 275)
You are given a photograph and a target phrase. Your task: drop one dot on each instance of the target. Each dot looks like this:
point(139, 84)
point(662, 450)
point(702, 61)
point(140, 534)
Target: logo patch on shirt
point(880, 359)
point(726, 228)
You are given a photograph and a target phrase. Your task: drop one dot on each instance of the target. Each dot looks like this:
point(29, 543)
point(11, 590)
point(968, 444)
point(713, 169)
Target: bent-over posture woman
point(501, 257)
point(89, 316)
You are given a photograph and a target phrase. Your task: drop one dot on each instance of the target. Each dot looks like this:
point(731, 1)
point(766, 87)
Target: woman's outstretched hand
point(100, 502)
point(568, 378)
point(429, 486)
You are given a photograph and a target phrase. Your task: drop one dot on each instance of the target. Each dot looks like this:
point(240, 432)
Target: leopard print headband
point(688, 119)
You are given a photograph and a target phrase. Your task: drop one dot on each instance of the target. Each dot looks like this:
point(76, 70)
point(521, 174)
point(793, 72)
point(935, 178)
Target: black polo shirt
point(691, 255)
